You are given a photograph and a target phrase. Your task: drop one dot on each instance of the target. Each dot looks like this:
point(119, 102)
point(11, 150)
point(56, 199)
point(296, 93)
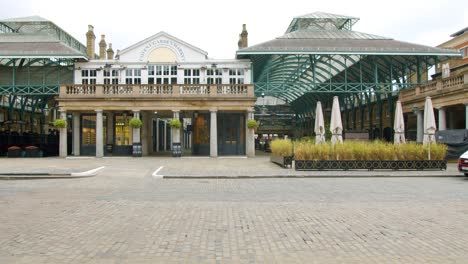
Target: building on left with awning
point(36, 57)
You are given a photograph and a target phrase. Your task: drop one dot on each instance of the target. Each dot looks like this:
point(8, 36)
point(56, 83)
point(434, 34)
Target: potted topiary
point(14, 152)
point(135, 123)
point(32, 152)
point(60, 123)
point(252, 124)
point(175, 123)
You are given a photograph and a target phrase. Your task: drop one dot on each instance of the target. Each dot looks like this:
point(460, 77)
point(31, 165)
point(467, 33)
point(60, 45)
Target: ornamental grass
point(377, 150)
point(282, 147)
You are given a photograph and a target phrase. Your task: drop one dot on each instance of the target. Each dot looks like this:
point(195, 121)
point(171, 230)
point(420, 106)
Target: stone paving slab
point(131, 217)
point(197, 167)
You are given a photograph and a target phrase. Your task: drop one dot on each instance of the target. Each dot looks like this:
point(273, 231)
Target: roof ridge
point(34, 18)
point(325, 14)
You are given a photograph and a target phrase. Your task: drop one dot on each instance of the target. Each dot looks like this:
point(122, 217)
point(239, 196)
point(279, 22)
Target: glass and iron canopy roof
point(320, 54)
point(36, 37)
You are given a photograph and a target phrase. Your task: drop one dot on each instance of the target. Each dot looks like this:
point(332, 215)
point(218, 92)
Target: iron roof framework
point(32, 27)
point(320, 57)
point(36, 56)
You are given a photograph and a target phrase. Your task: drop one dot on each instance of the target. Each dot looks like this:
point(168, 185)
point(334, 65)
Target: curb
point(310, 176)
point(48, 175)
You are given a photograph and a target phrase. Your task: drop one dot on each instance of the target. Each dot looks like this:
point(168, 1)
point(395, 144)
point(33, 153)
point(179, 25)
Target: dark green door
point(201, 134)
point(231, 134)
point(88, 134)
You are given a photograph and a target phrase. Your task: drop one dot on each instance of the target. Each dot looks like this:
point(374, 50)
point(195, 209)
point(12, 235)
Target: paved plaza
point(126, 215)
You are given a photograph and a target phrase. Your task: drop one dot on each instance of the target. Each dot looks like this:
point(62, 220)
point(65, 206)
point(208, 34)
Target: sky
point(214, 26)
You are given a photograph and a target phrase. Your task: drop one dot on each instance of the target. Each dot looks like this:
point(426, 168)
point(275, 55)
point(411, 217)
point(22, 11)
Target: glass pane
point(201, 130)
point(123, 131)
point(88, 130)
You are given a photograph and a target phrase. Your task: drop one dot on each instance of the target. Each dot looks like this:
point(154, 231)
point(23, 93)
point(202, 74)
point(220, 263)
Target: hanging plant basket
point(60, 123)
point(175, 123)
point(135, 123)
point(252, 124)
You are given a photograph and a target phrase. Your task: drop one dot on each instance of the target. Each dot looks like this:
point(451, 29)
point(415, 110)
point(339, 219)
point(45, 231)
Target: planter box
point(32, 153)
point(15, 153)
point(281, 160)
point(304, 165)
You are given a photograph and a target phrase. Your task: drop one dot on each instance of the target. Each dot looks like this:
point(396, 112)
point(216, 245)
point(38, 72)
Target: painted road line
point(155, 173)
point(88, 173)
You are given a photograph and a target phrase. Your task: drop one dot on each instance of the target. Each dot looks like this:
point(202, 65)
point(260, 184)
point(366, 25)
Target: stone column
point(136, 131)
point(157, 134)
point(99, 134)
point(420, 124)
point(213, 134)
point(442, 119)
point(175, 131)
point(250, 136)
point(76, 134)
point(147, 134)
point(63, 136)
point(466, 112)
point(165, 135)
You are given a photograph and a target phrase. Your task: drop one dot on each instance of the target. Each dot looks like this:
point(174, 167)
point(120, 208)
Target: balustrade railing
point(433, 87)
point(193, 89)
point(81, 89)
point(156, 90)
point(117, 90)
point(232, 89)
point(452, 81)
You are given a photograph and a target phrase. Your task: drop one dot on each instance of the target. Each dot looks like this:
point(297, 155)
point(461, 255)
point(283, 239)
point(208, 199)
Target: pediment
point(162, 47)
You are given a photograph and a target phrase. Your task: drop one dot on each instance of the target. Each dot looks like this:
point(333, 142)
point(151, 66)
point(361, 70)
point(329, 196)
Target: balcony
point(85, 91)
point(436, 88)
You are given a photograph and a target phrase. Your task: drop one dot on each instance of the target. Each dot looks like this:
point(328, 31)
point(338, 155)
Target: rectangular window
point(150, 70)
point(133, 76)
point(236, 76)
point(88, 76)
point(163, 74)
point(214, 76)
point(464, 52)
point(192, 76)
point(111, 76)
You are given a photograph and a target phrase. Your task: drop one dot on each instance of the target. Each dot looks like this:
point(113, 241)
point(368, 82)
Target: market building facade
point(45, 74)
point(157, 80)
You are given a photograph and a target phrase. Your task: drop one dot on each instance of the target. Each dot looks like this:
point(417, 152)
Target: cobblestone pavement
point(128, 216)
point(197, 167)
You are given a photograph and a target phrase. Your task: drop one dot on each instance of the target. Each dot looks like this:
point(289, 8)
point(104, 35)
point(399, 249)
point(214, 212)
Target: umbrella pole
point(429, 152)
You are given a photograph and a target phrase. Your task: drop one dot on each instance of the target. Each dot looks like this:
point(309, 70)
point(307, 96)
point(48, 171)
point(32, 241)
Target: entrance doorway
point(201, 134)
point(161, 135)
point(88, 133)
point(231, 134)
point(123, 136)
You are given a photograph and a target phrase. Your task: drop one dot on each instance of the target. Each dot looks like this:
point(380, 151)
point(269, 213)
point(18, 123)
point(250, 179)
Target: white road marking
point(155, 173)
point(88, 173)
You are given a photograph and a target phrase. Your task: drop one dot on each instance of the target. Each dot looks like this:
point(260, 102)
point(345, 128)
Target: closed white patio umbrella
point(429, 122)
point(336, 126)
point(429, 125)
point(319, 127)
point(399, 125)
